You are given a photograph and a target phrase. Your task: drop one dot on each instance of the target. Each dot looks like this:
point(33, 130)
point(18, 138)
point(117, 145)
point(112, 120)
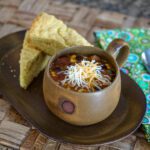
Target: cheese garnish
point(86, 74)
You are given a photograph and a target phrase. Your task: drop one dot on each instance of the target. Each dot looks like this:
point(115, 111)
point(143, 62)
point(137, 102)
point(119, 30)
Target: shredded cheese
point(86, 74)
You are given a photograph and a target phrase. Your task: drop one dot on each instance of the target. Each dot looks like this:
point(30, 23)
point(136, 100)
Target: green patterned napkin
point(139, 41)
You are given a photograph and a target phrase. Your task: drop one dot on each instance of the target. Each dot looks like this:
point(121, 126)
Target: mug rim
point(75, 92)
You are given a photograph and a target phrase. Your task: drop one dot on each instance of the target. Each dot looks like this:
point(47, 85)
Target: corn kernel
point(81, 90)
point(53, 73)
point(108, 66)
point(73, 58)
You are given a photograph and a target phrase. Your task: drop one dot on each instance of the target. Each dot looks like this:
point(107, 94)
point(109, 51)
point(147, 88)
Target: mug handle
point(119, 49)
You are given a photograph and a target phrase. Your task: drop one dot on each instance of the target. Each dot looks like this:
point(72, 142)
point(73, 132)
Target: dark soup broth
point(82, 73)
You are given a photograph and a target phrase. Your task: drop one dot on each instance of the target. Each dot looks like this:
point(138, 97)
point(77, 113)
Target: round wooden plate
point(30, 104)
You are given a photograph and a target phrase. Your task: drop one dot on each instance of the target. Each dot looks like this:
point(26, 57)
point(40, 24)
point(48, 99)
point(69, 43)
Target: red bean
point(95, 57)
point(62, 61)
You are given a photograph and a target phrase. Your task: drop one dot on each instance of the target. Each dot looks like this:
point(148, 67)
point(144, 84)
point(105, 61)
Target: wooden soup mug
point(86, 108)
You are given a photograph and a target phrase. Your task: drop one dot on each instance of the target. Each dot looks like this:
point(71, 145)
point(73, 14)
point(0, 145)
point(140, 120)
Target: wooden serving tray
point(30, 103)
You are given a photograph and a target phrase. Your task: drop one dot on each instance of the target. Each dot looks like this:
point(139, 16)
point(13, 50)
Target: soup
point(82, 73)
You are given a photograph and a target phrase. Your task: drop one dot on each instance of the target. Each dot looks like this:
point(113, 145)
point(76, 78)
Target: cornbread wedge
point(51, 35)
point(47, 35)
point(32, 62)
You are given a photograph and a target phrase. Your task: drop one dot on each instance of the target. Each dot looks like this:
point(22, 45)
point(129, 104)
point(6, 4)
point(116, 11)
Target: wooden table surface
point(16, 15)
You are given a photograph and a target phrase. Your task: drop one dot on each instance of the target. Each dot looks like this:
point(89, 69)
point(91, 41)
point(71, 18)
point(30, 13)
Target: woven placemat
point(16, 15)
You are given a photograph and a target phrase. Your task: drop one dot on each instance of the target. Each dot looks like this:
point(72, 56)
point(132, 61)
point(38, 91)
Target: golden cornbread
point(47, 35)
point(51, 35)
point(32, 62)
